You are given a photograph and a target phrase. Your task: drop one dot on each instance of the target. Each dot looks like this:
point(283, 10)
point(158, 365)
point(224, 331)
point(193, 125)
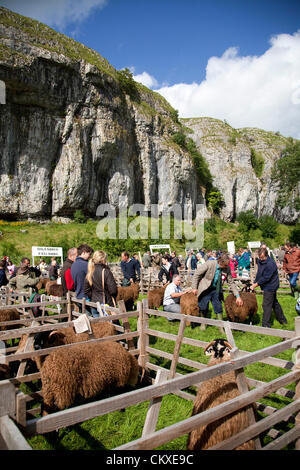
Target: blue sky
point(237, 59)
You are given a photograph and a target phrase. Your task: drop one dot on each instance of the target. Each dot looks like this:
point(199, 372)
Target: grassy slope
point(17, 244)
point(115, 429)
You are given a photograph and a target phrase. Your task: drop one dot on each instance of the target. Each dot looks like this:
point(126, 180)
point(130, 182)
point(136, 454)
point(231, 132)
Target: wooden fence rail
point(168, 381)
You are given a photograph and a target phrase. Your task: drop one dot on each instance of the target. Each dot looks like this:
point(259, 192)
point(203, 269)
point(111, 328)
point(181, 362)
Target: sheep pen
point(174, 385)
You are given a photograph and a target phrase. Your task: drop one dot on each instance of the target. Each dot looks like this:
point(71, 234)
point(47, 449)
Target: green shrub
point(128, 84)
point(210, 225)
point(215, 200)
point(286, 172)
point(247, 220)
point(295, 234)
point(268, 226)
point(257, 162)
point(79, 216)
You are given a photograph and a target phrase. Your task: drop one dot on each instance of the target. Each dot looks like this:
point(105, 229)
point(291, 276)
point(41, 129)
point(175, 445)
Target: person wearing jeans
point(268, 279)
point(291, 265)
point(207, 285)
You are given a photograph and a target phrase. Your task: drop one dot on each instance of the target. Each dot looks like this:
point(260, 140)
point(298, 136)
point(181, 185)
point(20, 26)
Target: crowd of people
point(87, 273)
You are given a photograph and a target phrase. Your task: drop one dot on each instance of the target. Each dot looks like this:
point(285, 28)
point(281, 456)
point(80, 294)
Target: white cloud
point(56, 13)
point(146, 79)
point(253, 91)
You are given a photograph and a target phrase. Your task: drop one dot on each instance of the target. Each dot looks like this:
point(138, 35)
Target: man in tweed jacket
point(207, 285)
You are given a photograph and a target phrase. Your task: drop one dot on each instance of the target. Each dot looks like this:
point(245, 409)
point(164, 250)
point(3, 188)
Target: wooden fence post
point(143, 341)
point(154, 406)
point(28, 347)
point(177, 348)
point(126, 325)
point(69, 306)
point(297, 366)
point(7, 399)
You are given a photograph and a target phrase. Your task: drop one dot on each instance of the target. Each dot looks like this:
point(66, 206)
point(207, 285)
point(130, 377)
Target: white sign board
point(254, 245)
point(158, 247)
point(50, 251)
point(231, 247)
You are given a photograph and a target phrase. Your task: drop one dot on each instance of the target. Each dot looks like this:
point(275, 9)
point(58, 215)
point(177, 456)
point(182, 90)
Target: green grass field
point(115, 429)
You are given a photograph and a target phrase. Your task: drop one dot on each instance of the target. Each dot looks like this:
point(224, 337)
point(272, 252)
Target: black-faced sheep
point(237, 313)
point(189, 305)
point(129, 294)
point(156, 297)
point(213, 392)
point(84, 371)
point(49, 339)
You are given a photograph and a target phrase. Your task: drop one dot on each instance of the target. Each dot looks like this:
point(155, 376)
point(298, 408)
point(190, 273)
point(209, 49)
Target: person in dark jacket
point(168, 269)
point(72, 255)
point(268, 280)
point(130, 269)
point(3, 278)
point(53, 270)
point(79, 269)
point(100, 285)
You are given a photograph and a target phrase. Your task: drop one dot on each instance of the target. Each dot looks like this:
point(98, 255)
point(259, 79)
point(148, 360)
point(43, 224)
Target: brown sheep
point(129, 294)
point(4, 371)
point(55, 289)
point(9, 314)
point(240, 314)
point(156, 297)
point(213, 392)
point(42, 283)
point(189, 305)
point(49, 339)
point(84, 371)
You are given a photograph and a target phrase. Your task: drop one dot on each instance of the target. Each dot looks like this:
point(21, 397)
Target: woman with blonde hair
point(100, 285)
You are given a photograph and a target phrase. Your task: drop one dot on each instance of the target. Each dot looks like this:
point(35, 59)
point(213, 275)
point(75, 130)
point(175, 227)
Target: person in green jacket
point(243, 260)
point(25, 278)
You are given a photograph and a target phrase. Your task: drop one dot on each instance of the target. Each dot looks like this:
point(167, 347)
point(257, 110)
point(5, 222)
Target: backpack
point(37, 311)
point(69, 280)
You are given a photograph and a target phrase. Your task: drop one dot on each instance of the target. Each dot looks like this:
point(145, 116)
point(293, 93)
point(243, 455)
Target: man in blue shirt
point(79, 269)
point(130, 269)
point(268, 280)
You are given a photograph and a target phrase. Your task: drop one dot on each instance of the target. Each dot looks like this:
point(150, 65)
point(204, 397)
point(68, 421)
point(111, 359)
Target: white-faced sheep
point(237, 313)
point(84, 371)
point(129, 294)
point(156, 297)
point(189, 305)
point(213, 392)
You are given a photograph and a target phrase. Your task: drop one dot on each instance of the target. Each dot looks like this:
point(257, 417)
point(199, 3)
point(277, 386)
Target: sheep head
point(218, 349)
point(47, 339)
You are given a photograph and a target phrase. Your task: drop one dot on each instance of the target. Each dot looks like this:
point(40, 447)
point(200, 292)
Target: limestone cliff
point(75, 133)
point(241, 161)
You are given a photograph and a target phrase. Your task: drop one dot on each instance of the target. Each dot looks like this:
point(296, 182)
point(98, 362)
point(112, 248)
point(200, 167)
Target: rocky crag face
point(71, 135)
point(75, 133)
point(241, 162)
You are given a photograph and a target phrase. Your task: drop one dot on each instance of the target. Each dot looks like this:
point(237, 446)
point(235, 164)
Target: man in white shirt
point(172, 295)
